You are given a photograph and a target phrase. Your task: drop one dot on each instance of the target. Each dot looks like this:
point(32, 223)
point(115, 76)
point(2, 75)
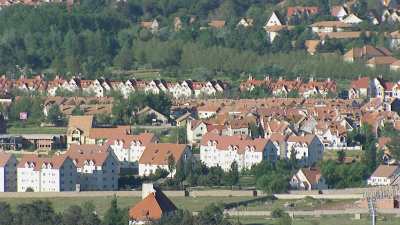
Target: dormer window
point(252, 148)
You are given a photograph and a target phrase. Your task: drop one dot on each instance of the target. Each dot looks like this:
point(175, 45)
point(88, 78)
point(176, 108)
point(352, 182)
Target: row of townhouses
point(102, 87)
point(282, 87)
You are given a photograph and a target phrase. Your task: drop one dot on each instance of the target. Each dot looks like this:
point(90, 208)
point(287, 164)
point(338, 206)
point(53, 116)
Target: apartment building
point(8, 172)
point(54, 174)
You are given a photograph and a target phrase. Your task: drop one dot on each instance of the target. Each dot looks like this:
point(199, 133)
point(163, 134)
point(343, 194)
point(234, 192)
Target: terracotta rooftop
point(152, 207)
point(4, 157)
point(385, 171)
point(157, 154)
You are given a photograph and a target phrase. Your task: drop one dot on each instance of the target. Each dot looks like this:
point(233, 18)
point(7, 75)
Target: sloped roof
point(152, 207)
point(4, 157)
point(312, 174)
point(83, 123)
point(56, 161)
point(157, 154)
point(385, 171)
point(381, 60)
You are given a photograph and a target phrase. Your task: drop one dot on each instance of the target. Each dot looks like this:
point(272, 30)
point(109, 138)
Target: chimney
point(147, 188)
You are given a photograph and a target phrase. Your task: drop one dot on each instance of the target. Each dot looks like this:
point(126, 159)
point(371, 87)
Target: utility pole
point(372, 209)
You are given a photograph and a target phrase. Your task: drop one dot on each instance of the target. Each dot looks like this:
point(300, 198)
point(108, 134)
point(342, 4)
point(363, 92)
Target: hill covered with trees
point(103, 38)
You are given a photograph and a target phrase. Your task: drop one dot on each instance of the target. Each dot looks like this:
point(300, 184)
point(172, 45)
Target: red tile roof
point(157, 154)
point(152, 207)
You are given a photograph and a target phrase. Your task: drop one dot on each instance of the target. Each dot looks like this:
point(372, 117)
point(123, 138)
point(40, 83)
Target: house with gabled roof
point(217, 24)
point(302, 11)
point(359, 88)
point(352, 19)
point(152, 25)
point(54, 174)
point(156, 156)
point(97, 167)
point(339, 11)
point(308, 179)
point(152, 207)
point(365, 53)
point(307, 149)
point(129, 148)
point(245, 22)
point(8, 172)
point(384, 175)
point(219, 150)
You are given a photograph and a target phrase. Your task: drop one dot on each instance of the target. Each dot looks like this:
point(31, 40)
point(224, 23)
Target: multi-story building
point(217, 150)
point(97, 167)
point(129, 148)
point(54, 174)
point(307, 149)
point(8, 172)
point(157, 156)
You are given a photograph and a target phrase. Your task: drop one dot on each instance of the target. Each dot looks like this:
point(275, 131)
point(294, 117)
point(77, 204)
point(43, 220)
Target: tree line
point(97, 38)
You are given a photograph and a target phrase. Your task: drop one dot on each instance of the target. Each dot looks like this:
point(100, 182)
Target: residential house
point(207, 111)
point(181, 90)
point(8, 172)
point(217, 150)
point(365, 53)
point(302, 11)
point(79, 129)
point(394, 39)
point(153, 25)
point(177, 24)
point(97, 167)
point(217, 24)
point(129, 148)
point(152, 207)
point(381, 61)
point(274, 20)
point(352, 19)
point(307, 149)
point(153, 115)
point(308, 179)
point(157, 156)
point(195, 129)
point(245, 22)
point(329, 26)
point(384, 175)
point(312, 46)
point(359, 88)
point(339, 12)
point(38, 174)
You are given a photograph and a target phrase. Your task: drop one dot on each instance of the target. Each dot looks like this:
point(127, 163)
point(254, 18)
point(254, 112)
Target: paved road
point(315, 213)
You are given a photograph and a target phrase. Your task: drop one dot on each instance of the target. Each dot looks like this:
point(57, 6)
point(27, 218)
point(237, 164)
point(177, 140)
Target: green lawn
point(102, 203)
point(37, 130)
point(324, 220)
point(332, 154)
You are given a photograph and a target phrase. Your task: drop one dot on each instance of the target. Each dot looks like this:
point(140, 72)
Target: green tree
point(394, 147)
point(171, 164)
point(55, 116)
point(124, 58)
point(5, 214)
point(114, 215)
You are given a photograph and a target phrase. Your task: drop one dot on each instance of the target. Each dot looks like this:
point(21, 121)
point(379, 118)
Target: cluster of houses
point(102, 87)
point(283, 87)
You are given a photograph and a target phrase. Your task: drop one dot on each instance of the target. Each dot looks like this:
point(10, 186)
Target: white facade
point(273, 21)
point(306, 153)
point(131, 153)
point(211, 156)
point(43, 177)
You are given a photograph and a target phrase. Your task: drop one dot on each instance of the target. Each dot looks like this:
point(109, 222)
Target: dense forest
point(103, 38)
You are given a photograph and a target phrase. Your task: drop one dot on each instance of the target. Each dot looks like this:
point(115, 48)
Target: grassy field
point(324, 220)
point(37, 130)
point(103, 203)
point(332, 154)
point(300, 204)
